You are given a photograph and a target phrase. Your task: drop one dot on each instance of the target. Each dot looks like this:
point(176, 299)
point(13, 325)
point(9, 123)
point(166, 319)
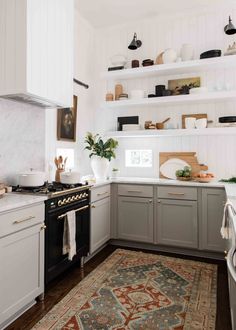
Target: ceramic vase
point(169, 56)
point(100, 167)
point(187, 52)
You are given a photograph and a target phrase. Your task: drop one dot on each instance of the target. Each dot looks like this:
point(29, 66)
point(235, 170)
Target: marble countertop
point(157, 181)
point(13, 201)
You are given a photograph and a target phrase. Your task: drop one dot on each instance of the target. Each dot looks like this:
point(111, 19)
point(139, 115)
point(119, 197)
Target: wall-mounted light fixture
point(135, 43)
point(230, 28)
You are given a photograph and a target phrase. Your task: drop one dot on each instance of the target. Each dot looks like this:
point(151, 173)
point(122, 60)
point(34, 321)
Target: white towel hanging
point(69, 235)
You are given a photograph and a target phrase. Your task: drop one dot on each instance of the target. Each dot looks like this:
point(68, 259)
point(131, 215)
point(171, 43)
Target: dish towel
point(225, 222)
point(69, 234)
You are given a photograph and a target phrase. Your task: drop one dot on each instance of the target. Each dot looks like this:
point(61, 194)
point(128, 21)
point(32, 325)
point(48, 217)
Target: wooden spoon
point(161, 125)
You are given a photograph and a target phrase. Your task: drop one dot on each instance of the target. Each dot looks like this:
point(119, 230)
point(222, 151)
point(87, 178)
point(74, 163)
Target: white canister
point(169, 56)
point(201, 123)
point(70, 177)
point(137, 94)
point(187, 52)
point(190, 122)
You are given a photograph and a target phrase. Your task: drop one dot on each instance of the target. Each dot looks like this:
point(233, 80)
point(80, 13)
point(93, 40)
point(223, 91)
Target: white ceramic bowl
point(198, 90)
point(137, 94)
point(70, 177)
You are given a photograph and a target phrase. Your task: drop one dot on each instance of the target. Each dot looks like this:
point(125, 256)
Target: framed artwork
point(66, 123)
point(183, 85)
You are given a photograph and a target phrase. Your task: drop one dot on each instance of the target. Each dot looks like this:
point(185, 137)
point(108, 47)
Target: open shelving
point(173, 132)
point(174, 100)
point(215, 63)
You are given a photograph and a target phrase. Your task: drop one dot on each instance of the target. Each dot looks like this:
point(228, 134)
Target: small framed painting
point(66, 123)
point(183, 85)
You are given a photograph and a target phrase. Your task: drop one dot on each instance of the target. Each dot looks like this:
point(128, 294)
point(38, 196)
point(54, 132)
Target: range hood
point(33, 100)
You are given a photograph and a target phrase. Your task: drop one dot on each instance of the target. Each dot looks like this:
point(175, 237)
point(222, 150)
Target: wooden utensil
point(188, 157)
point(159, 59)
point(161, 125)
point(195, 115)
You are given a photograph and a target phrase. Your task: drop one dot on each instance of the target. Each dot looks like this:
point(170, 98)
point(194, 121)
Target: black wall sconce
point(230, 28)
point(135, 43)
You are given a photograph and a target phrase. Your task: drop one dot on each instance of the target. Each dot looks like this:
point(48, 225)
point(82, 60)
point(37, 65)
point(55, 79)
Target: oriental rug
point(139, 291)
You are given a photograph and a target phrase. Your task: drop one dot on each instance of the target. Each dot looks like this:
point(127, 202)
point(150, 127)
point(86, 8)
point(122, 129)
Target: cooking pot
point(70, 177)
point(31, 179)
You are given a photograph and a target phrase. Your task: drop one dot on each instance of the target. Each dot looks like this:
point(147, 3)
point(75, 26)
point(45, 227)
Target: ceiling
point(101, 13)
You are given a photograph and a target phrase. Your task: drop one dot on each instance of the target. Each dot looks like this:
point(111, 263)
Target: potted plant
point(101, 154)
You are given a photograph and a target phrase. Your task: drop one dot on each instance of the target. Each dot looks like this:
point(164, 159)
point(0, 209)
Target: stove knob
point(73, 198)
point(76, 197)
point(69, 200)
point(80, 196)
point(60, 203)
point(64, 201)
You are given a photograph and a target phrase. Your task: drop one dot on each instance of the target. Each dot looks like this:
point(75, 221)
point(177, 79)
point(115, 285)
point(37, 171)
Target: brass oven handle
point(23, 220)
point(176, 194)
point(78, 210)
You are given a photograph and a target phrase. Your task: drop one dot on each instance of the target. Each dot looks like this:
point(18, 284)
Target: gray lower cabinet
point(135, 219)
point(177, 223)
point(212, 206)
point(99, 223)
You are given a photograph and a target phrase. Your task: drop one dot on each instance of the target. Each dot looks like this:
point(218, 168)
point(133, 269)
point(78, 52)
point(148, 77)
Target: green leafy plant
point(230, 180)
point(115, 169)
point(98, 147)
point(185, 173)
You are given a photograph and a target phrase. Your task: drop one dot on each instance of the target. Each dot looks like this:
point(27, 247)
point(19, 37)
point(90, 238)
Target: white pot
point(100, 167)
point(169, 56)
point(190, 122)
point(187, 52)
point(31, 179)
point(70, 177)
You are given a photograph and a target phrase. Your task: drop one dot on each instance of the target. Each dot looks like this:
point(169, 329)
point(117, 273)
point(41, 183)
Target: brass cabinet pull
point(150, 201)
point(23, 220)
point(134, 191)
point(78, 210)
point(104, 193)
point(43, 227)
point(177, 194)
point(93, 206)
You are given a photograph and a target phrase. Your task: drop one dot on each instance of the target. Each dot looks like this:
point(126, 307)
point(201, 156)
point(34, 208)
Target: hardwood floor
point(62, 285)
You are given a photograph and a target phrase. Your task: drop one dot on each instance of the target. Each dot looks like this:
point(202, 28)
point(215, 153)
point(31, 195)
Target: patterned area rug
point(139, 291)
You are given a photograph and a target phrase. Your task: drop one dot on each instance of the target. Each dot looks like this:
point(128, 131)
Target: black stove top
point(51, 189)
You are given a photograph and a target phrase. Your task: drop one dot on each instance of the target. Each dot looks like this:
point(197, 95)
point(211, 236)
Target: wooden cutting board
point(194, 115)
point(188, 157)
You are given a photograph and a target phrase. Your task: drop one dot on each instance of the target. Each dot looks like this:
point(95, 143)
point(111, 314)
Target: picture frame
point(66, 122)
point(183, 85)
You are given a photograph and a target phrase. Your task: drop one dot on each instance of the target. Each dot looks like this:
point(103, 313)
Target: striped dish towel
point(225, 222)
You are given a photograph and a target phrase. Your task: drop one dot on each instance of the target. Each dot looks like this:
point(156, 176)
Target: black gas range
point(61, 199)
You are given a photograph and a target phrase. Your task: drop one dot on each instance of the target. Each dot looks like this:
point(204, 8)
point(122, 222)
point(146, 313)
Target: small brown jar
point(135, 63)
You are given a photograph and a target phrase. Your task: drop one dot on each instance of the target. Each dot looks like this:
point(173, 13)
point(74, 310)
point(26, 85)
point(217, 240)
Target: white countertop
point(12, 201)
point(154, 181)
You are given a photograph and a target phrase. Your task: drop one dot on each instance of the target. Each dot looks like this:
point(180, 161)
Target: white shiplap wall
point(204, 30)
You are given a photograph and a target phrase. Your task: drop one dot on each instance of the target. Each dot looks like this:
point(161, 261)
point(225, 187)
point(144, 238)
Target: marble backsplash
point(22, 139)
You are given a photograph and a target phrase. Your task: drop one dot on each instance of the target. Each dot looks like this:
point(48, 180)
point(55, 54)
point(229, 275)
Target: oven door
point(55, 261)
point(231, 265)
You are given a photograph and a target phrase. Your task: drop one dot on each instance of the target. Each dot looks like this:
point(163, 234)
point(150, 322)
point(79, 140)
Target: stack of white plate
point(131, 127)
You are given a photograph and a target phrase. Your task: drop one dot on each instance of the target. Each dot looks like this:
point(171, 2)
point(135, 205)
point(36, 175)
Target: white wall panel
point(204, 30)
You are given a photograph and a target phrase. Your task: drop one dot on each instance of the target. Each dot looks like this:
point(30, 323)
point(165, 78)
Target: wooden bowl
point(204, 180)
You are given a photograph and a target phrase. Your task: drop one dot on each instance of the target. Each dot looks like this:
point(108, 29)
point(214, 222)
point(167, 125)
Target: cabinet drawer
point(173, 192)
point(100, 192)
point(17, 220)
point(135, 190)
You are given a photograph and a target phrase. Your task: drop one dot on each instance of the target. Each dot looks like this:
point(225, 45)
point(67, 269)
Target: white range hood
point(36, 52)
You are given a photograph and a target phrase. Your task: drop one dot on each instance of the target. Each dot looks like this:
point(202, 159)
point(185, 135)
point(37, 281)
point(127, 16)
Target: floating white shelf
point(173, 132)
point(173, 100)
point(214, 63)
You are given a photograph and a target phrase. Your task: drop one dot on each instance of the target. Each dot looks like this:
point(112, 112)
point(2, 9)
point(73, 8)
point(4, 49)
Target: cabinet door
point(177, 223)
point(100, 223)
point(135, 219)
point(21, 271)
point(212, 213)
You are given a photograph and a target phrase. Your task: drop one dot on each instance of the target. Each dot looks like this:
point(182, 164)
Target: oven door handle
point(77, 210)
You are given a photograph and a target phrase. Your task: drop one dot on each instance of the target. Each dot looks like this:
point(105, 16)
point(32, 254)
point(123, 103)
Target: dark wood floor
point(61, 286)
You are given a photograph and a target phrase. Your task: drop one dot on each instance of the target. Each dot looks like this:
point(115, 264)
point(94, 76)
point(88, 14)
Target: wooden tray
point(188, 157)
